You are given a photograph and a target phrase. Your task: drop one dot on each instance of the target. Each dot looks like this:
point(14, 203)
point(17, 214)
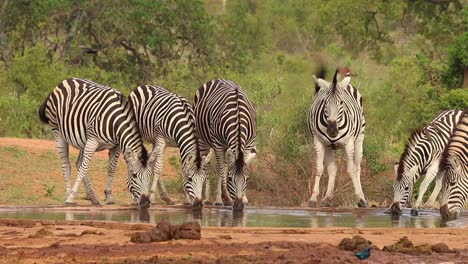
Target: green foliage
point(49, 189)
point(457, 63)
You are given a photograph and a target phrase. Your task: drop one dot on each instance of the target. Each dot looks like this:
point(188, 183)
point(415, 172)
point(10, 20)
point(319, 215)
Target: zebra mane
point(334, 84)
point(128, 106)
point(412, 140)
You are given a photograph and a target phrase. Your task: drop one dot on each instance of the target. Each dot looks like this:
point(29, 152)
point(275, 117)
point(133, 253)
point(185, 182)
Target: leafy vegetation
point(409, 59)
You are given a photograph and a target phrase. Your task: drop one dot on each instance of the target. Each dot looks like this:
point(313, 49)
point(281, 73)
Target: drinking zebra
point(336, 120)
point(454, 170)
point(92, 117)
point(421, 156)
point(166, 119)
point(225, 121)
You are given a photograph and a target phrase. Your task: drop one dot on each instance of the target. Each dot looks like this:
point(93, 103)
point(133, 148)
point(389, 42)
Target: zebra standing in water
point(454, 170)
point(166, 119)
point(226, 122)
point(91, 118)
point(336, 119)
point(422, 155)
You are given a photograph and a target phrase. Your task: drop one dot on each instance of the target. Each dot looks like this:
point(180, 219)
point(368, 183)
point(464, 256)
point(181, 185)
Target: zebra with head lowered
point(421, 156)
point(166, 119)
point(454, 170)
point(225, 121)
point(336, 120)
point(92, 117)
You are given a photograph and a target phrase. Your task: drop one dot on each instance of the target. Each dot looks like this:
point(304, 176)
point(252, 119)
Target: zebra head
point(403, 186)
point(140, 171)
point(454, 195)
point(334, 102)
point(237, 176)
point(194, 177)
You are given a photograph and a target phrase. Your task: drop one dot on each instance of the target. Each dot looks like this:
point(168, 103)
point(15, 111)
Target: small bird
point(365, 253)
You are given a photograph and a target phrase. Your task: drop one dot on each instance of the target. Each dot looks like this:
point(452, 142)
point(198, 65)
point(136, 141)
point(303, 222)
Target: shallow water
point(252, 216)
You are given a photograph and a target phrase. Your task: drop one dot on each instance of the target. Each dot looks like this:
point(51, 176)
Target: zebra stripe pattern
point(226, 122)
point(421, 156)
point(336, 120)
point(166, 119)
point(454, 168)
point(92, 117)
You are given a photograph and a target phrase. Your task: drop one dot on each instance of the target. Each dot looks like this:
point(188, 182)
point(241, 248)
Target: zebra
point(421, 156)
point(336, 120)
point(92, 117)
point(166, 119)
point(454, 168)
point(226, 122)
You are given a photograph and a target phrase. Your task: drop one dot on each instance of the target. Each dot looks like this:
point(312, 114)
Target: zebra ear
point(321, 83)
point(345, 82)
point(249, 157)
point(229, 157)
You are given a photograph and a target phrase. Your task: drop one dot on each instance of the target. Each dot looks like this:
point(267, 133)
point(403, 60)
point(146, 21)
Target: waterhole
point(251, 217)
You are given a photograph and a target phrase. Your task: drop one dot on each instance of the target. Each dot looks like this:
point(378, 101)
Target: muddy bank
point(23, 241)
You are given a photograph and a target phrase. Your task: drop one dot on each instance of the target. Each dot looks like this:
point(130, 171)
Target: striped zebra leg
point(158, 152)
point(62, 148)
point(222, 196)
point(438, 186)
point(430, 175)
point(206, 169)
point(163, 192)
point(357, 163)
point(351, 169)
point(86, 183)
point(319, 156)
point(89, 150)
point(329, 162)
point(111, 167)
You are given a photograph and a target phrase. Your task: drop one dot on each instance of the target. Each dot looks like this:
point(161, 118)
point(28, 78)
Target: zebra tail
point(42, 111)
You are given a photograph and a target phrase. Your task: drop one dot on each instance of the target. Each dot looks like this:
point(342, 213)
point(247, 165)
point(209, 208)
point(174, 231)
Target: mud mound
point(357, 243)
point(164, 231)
point(41, 233)
point(404, 245)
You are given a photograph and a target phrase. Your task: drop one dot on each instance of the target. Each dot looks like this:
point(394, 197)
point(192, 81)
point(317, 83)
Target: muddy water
point(252, 216)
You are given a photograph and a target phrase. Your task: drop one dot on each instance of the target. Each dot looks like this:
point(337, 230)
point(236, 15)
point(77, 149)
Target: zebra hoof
point(207, 203)
point(414, 212)
point(70, 203)
point(312, 204)
point(227, 203)
point(326, 203)
point(168, 201)
point(110, 202)
point(362, 204)
point(218, 203)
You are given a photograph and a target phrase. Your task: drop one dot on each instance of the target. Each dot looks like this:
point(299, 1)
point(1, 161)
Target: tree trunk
point(5, 56)
point(465, 78)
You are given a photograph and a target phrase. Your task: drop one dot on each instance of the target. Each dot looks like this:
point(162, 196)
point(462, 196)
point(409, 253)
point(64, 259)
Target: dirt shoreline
point(49, 241)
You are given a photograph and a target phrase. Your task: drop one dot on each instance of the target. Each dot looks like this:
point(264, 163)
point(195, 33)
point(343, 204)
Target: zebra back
point(80, 109)
point(426, 144)
point(160, 112)
point(225, 117)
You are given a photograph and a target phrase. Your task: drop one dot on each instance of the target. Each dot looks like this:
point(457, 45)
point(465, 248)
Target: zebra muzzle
point(238, 205)
point(395, 209)
point(197, 204)
point(144, 202)
point(332, 129)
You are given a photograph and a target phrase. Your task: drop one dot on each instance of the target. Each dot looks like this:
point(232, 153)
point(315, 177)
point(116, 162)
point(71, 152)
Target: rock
point(190, 230)
point(41, 233)
point(441, 248)
point(141, 237)
point(164, 231)
point(356, 243)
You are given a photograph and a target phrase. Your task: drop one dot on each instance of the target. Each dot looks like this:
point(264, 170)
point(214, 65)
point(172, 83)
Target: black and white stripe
point(454, 170)
point(92, 117)
point(422, 156)
point(336, 120)
point(166, 119)
point(226, 122)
